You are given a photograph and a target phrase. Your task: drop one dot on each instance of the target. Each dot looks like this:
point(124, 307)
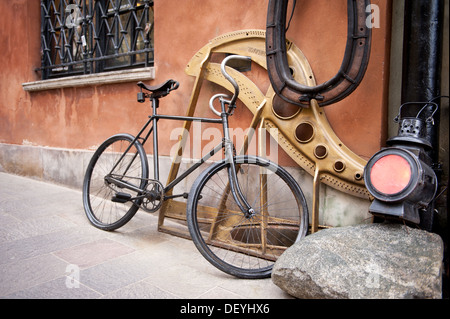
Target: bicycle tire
point(246, 247)
point(98, 194)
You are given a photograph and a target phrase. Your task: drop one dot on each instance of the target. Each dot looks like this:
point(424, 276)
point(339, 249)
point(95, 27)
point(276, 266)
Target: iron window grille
point(93, 36)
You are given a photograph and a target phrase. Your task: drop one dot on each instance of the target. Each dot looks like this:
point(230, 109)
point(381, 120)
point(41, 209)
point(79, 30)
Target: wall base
point(67, 167)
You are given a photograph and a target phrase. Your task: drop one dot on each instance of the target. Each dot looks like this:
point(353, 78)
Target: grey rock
point(370, 261)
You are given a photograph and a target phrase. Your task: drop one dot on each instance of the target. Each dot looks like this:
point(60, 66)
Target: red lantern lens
point(390, 174)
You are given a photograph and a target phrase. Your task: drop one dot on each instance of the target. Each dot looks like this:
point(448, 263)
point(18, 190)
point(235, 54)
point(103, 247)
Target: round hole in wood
point(304, 132)
point(283, 109)
point(321, 151)
point(339, 166)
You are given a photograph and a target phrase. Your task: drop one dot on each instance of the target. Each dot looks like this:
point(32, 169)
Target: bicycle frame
point(226, 144)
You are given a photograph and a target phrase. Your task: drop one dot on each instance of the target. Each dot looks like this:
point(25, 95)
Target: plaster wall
point(81, 117)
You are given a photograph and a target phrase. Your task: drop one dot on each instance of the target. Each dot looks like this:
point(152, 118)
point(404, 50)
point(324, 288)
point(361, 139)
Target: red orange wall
point(82, 117)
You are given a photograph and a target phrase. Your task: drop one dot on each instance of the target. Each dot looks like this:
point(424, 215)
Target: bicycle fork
point(236, 191)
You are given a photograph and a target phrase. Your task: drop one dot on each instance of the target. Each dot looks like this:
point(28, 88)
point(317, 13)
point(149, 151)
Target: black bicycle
point(242, 212)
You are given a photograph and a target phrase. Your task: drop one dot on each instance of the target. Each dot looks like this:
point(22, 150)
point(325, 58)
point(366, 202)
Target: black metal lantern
point(400, 182)
point(400, 177)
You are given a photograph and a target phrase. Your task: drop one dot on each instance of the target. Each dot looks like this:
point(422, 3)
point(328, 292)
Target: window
point(93, 36)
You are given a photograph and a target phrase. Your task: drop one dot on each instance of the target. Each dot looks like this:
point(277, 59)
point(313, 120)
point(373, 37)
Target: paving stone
point(44, 244)
point(118, 273)
point(259, 289)
point(43, 225)
point(56, 289)
point(8, 231)
point(93, 253)
point(26, 273)
point(185, 281)
point(220, 293)
point(139, 238)
point(140, 290)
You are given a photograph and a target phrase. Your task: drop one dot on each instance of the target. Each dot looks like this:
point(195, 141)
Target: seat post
point(155, 105)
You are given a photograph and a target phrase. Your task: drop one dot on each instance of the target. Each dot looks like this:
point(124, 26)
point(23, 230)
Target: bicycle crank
point(153, 196)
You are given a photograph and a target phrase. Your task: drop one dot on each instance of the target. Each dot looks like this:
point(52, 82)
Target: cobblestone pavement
point(48, 249)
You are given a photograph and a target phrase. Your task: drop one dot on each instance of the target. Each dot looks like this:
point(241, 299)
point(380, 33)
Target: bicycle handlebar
point(211, 101)
point(231, 80)
point(229, 77)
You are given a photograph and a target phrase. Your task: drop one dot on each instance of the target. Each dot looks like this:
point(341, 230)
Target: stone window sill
point(140, 74)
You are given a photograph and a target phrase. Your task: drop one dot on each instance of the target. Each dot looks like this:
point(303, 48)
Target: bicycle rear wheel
point(246, 247)
point(105, 203)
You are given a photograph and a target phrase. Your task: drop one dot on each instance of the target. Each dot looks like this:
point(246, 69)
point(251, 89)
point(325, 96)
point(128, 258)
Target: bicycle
point(242, 212)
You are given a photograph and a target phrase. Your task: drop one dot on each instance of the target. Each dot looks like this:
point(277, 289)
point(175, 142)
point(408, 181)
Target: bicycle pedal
point(121, 197)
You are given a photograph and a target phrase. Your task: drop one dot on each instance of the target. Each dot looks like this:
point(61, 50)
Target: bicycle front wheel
point(240, 245)
point(107, 205)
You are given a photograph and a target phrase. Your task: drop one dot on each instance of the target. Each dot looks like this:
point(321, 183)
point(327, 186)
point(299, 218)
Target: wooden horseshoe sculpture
point(353, 67)
point(304, 134)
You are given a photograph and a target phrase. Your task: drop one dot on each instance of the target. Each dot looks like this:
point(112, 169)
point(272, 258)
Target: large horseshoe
point(304, 134)
point(349, 76)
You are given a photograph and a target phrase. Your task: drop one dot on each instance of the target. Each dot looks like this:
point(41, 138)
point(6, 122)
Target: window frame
point(82, 49)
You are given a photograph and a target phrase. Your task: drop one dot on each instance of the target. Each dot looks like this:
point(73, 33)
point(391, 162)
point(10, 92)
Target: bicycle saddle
point(162, 89)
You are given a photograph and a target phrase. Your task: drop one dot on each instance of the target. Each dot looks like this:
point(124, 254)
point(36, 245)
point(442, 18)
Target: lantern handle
point(430, 119)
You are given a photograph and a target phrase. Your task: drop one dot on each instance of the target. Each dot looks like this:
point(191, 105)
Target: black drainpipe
point(422, 60)
point(421, 82)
